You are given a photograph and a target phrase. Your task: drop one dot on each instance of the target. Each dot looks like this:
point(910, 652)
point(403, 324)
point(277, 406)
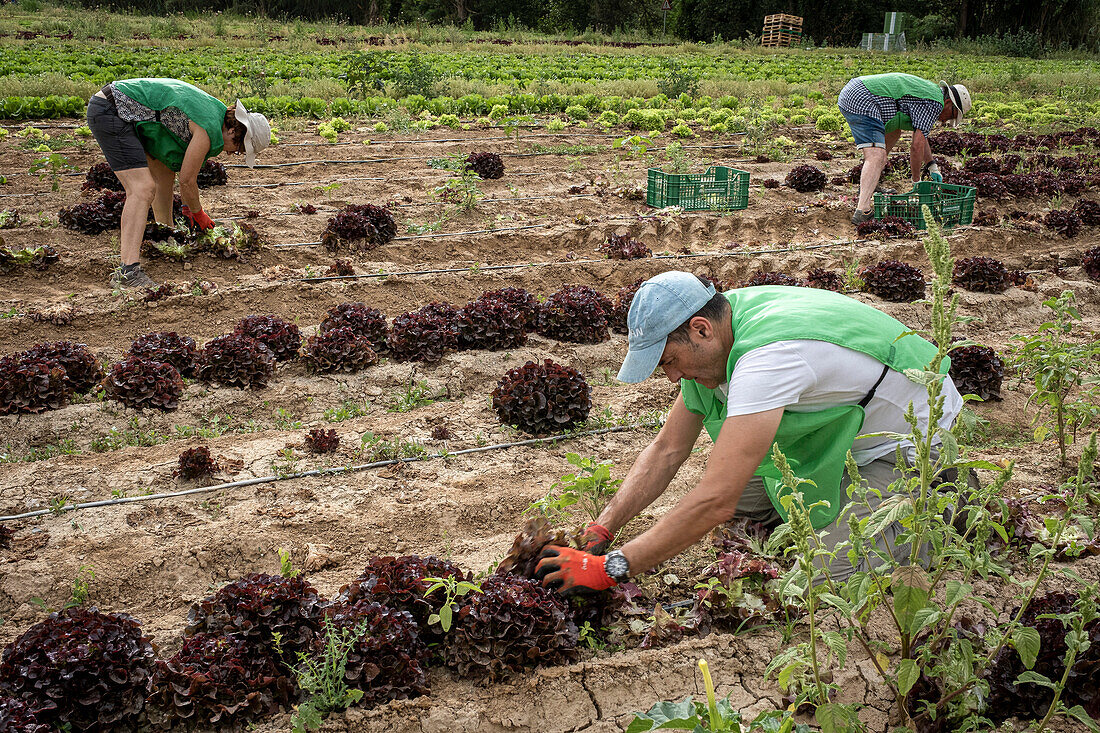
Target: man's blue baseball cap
point(660, 306)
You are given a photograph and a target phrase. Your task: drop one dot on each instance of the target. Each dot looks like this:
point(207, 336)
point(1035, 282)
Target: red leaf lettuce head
point(170, 348)
point(895, 281)
point(424, 335)
point(281, 337)
point(257, 607)
point(981, 274)
point(338, 350)
point(542, 399)
point(82, 668)
point(234, 360)
point(577, 314)
point(490, 324)
point(398, 583)
point(512, 625)
point(368, 322)
point(389, 661)
point(29, 384)
point(359, 227)
point(486, 165)
point(805, 178)
point(218, 681)
point(139, 383)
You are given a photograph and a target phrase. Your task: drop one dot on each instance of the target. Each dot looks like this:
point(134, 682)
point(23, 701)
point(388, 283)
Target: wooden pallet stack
point(781, 31)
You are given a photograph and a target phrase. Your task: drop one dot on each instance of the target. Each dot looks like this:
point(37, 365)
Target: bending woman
point(151, 129)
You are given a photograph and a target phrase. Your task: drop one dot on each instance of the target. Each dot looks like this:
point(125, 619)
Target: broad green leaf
point(836, 718)
point(837, 644)
point(908, 674)
point(989, 465)
point(910, 586)
point(666, 716)
point(445, 618)
point(956, 590)
point(924, 618)
point(837, 602)
point(1027, 643)
point(889, 512)
point(1035, 678)
point(1077, 712)
point(949, 448)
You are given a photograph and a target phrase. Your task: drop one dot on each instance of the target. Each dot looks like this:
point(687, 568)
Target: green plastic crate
point(719, 189)
point(951, 205)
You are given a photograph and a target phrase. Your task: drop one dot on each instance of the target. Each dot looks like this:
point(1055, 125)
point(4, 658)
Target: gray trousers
point(877, 474)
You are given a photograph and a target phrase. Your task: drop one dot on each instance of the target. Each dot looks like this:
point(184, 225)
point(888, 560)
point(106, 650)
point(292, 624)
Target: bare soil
point(153, 559)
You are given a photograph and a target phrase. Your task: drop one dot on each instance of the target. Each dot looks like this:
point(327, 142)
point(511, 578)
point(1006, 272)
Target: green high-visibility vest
point(815, 443)
point(896, 85)
point(159, 94)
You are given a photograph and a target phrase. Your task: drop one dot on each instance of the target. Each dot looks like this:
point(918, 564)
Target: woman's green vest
point(159, 94)
point(815, 443)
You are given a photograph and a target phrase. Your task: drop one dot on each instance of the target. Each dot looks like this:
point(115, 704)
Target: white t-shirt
point(806, 375)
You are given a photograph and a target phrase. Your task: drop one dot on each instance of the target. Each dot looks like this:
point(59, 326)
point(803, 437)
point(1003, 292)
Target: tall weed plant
point(929, 665)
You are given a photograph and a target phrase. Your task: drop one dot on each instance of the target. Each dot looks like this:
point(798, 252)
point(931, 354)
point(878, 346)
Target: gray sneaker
point(132, 278)
point(859, 217)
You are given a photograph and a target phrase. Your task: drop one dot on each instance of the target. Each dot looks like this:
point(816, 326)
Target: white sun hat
point(257, 134)
point(960, 97)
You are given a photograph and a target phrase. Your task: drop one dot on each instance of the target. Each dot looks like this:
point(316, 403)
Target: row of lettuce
point(218, 65)
point(731, 113)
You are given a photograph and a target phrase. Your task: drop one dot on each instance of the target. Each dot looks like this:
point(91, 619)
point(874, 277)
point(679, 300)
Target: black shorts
point(117, 137)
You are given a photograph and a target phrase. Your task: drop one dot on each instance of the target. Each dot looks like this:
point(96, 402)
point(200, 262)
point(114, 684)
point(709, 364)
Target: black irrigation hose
point(457, 139)
point(526, 265)
point(427, 203)
point(306, 183)
point(268, 166)
point(426, 236)
point(324, 471)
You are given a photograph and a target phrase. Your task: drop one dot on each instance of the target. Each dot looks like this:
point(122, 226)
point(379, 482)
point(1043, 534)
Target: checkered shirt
point(172, 118)
point(856, 99)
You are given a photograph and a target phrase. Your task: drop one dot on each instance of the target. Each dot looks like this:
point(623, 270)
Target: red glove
point(570, 571)
point(198, 218)
point(596, 538)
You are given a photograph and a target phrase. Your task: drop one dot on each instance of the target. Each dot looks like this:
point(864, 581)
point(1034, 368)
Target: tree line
point(1022, 27)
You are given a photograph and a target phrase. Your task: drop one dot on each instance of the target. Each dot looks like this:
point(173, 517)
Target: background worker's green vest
point(896, 85)
point(815, 443)
point(159, 94)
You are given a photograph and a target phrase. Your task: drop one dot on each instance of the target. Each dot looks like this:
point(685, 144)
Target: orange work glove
point(570, 571)
point(198, 219)
point(596, 538)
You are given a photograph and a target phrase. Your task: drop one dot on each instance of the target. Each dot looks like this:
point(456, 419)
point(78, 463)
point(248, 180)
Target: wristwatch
point(616, 566)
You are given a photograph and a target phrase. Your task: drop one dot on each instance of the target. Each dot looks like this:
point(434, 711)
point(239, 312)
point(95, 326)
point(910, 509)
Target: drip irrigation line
point(425, 203)
point(526, 265)
point(447, 234)
point(326, 471)
point(269, 166)
point(322, 161)
point(426, 236)
point(307, 183)
point(416, 141)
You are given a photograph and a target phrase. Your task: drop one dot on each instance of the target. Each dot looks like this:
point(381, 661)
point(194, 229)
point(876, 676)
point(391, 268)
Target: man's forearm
point(919, 154)
point(647, 479)
point(682, 527)
point(189, 194)
point(740, 448)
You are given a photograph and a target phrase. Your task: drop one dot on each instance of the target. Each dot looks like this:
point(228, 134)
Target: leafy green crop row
point(728, 113)
point(213, 65)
